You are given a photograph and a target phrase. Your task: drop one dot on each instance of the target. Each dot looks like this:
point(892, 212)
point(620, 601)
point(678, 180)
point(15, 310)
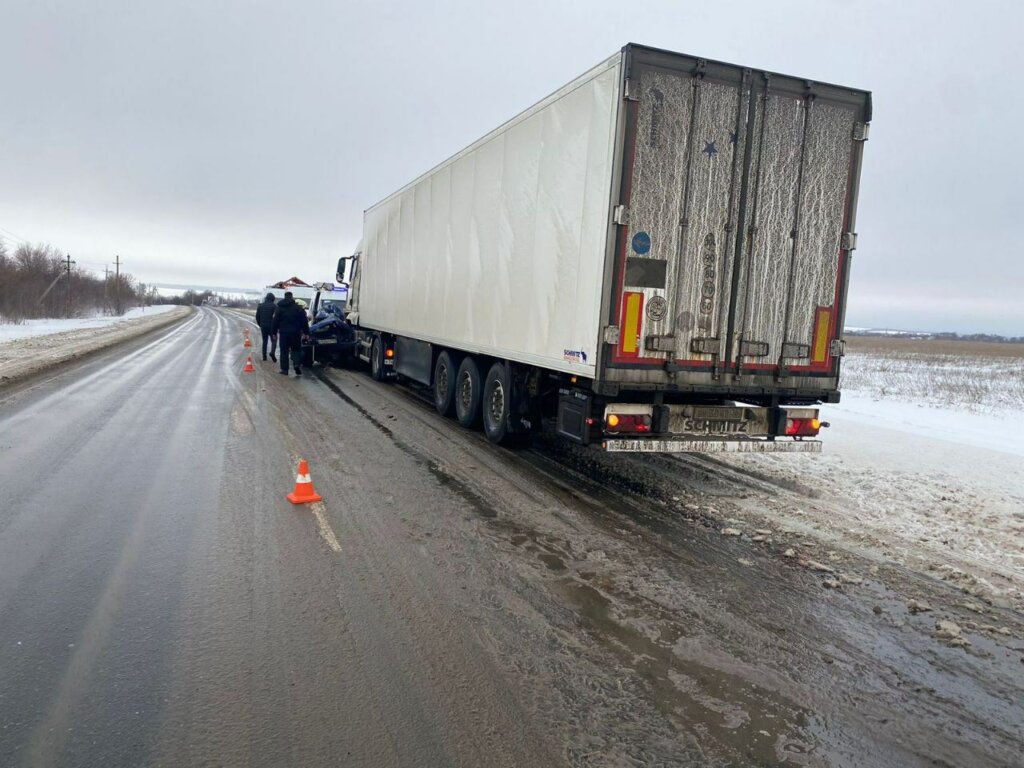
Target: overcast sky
point(234, 143)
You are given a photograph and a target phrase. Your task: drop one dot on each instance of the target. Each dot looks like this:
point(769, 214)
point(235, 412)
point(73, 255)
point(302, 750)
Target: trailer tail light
point(628, 419)
point(627, 423)
point(802, 427)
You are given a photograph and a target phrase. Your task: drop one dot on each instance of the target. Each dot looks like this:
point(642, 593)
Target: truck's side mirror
point(343, 265)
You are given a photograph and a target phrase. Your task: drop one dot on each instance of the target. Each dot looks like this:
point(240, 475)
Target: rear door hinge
point(837, 348)
point(753, 348)
point(861, 131)
point(848, 241)
point(796, 349)
point(660, 343)
point(705, 345)
point(627, 91)
point(611, 335)
point(620, 215)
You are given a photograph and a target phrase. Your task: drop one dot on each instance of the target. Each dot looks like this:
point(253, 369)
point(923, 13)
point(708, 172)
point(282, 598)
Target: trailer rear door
point(738, 193)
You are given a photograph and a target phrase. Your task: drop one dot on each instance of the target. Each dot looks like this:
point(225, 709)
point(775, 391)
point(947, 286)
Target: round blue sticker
point(641, 242)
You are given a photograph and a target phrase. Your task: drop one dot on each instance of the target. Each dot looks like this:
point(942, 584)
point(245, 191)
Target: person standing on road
point(291, 322)
point(265, 320)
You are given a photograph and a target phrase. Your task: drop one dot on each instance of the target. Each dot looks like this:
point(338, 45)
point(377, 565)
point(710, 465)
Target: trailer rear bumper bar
point(705, 445)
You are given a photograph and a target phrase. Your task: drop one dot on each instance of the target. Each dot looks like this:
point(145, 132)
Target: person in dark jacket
point(291, 323)
point(265, 320)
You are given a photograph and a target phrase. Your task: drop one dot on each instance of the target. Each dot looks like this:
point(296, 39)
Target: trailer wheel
point(445, 376)
point(496, 402)
point(377, 370)
point(468, 393)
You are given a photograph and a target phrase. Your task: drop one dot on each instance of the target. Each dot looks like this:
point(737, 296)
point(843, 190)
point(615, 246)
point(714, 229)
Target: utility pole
point(117, 286)
point(106, 280)
point(67, 299)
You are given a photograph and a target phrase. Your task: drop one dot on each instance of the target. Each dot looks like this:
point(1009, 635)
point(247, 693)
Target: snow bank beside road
point(30, 354)
point(9, 332)
point(939, 488)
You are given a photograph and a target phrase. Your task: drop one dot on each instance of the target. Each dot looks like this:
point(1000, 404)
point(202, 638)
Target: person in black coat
point(265, 320)
point(291, 323)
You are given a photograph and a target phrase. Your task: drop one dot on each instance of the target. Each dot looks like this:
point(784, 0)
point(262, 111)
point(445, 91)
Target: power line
point(14, 236)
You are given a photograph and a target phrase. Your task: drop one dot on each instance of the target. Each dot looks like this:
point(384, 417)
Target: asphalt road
point(448, 603)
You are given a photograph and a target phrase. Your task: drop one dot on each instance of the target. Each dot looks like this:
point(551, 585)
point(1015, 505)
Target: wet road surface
point(448, 603)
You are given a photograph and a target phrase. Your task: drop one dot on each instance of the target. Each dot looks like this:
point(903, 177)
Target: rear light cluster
point(627, 422)
point(802, 427)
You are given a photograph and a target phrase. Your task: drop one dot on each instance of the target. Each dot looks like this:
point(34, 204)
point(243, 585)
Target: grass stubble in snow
point(923, 464)
point(977, 377)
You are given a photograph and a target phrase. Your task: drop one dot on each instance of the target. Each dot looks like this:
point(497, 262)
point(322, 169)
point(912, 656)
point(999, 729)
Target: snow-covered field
point(923, 464)
point(9, 332)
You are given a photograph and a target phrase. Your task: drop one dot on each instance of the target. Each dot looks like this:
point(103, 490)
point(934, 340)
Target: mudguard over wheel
point(377, 369)
point(445, 374)
point(468, 391)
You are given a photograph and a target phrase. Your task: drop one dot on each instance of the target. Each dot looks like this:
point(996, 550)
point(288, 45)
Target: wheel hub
point(497, 403)
point(465, 391)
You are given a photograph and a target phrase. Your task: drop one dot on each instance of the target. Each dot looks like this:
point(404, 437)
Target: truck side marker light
point(389, 353)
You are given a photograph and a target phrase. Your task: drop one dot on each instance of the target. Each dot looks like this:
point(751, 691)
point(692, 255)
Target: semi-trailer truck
point(655, 257)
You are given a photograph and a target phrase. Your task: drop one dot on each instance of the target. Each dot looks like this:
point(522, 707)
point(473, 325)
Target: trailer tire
point(377, 370)
point(445, 376)
point(497, 396)
point(468, 393)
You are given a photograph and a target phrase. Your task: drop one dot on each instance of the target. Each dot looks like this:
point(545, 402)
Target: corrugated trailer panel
point(501, 249)
point(730, 270)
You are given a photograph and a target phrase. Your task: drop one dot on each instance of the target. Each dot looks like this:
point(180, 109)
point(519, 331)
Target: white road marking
point(326, 533)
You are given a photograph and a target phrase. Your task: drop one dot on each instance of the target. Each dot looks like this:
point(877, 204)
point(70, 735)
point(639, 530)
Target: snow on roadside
point(937, 487)
point(10, 332)
point(24, 357)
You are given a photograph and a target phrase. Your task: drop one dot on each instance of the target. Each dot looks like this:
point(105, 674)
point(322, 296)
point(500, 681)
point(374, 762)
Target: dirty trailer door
point(739, 187)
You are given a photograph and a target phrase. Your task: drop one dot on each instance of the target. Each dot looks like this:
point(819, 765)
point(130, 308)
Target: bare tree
point(29, 281)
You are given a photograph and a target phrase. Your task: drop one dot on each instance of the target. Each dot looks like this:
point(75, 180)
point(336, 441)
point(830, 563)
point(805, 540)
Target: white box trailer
point(660, 238)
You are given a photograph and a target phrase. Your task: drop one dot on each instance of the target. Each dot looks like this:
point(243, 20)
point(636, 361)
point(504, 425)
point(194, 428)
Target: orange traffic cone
point(247, 342)
point(303, 492)
point(245, 331)
point(248, 366)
